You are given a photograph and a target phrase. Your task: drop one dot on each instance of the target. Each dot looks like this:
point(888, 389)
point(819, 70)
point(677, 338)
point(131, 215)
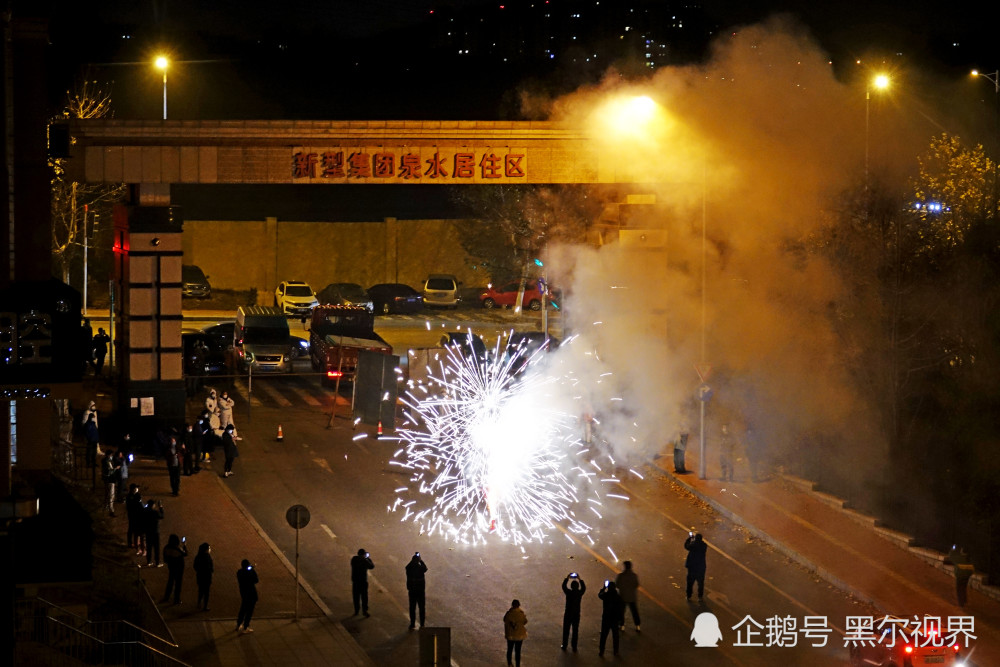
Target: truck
point(336, 333)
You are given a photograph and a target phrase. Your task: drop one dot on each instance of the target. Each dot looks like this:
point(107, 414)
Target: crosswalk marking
point(241, 387)
point(306, 396)
point(275, 394)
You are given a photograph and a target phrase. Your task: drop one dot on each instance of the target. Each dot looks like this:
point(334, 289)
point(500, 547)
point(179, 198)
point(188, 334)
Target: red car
point(506, 295)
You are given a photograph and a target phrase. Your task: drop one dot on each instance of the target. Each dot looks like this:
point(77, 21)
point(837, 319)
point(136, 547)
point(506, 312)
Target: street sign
point(704, 393)
point(297, 516)
point(703, 370)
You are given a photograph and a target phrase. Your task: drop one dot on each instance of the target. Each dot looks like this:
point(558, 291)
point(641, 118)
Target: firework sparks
point(487, 452)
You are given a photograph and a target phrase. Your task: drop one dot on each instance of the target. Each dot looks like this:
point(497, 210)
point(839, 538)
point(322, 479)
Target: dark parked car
point(203, 357)
point(221, 333)
point(395, 298)
point(194, 282)
point(465, 344)
point(344, 294)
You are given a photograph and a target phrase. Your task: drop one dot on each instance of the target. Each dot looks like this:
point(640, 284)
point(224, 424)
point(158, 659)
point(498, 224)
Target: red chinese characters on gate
point(382, 165)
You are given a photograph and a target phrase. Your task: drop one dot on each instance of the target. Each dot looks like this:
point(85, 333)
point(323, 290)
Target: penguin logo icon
point(706, 633)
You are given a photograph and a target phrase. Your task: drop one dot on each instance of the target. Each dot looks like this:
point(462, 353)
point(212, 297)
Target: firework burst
point(488, 453)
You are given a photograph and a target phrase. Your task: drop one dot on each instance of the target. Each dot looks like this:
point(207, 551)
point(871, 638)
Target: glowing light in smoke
point(489, 455)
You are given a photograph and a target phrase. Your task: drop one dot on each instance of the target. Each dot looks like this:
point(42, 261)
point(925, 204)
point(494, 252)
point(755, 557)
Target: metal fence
point(45, 633)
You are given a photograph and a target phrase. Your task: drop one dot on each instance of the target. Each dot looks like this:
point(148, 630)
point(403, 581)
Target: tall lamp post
point(162, 63)
point(994, 78)
point(880, 82)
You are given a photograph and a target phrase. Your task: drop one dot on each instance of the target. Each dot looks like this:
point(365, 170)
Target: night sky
point(344, 59)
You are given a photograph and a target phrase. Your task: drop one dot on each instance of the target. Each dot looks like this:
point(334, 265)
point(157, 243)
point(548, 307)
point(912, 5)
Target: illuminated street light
point(880, 82)
point(162, 64)
point(994, 78)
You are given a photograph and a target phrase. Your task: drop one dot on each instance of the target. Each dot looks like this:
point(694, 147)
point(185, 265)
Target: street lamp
point(880, 82)
point(994, 78)
point(161, 64)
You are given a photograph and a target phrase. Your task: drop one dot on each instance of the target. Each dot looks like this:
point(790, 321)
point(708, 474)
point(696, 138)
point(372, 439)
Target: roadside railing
point(77, 639)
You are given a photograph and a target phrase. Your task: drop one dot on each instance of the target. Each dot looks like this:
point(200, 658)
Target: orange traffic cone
point(378, 433)
point(281, 436)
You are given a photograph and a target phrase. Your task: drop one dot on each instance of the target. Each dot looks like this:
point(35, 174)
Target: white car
point(294, 297)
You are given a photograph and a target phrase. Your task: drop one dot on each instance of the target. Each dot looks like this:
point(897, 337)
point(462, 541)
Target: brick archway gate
point(150, 156)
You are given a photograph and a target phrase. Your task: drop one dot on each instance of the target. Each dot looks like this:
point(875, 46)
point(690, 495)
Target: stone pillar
point(150, 352)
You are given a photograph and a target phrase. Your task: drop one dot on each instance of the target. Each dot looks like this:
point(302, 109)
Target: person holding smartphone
point(173, 555)
point(360, 564)
point(611, 615)
point(247, 579)
point(695, 563)
point(416, 588)
point(573, 587)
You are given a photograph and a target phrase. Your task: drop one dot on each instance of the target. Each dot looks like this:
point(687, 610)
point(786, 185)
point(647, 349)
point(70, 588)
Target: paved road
point(348, 486)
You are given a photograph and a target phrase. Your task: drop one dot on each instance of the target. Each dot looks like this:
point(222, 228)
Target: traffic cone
point(378, 433)
point(281, 436)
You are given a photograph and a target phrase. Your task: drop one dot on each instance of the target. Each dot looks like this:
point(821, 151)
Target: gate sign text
point(405, 165)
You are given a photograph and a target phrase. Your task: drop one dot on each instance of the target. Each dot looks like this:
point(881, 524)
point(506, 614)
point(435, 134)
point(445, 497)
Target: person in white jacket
point(225, 410)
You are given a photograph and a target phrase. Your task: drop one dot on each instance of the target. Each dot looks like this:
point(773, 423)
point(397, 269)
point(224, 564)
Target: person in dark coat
point(573, 590)
point(173, 555)
point(151, 518)
point(192, 444)
point(229, 449)
point(628, 589)
point(695, 563)
point(173, 457)
point(91, 436)
point(86, 342)
point(209, 438)
point(680, 447)
point(360, 564)
point(109, 474)
point(203, 569)
point(416, 588)
point(247, 579)
point(514, 631)
point(959, 558)
point(101, 341)
point(611, 616)
point(133, 510)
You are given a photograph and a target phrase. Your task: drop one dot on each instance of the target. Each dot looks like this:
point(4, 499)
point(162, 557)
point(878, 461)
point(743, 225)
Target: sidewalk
point(206, 511)
point(844, 547)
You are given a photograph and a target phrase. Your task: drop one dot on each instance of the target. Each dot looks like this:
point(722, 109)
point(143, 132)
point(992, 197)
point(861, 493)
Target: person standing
point(109, 473)
point(695, 564)
point(192, 443)
point(91, 436)
point(225, 410)
point(416, 588)
point(134, 512)
point(514, 631)
point(611, 615)
point(680, 447)
point(174, 466)
point(573, 590)
point(229, 449)
point(247, 579)
point(727, 454)
point(628, 589)
point(86, 343)
point(360, 564)
point(212, 403)
point(204, 567)
point(101, 341)
point(151, 518)
point(964, 569)
point(121, 475)
point(173, 555)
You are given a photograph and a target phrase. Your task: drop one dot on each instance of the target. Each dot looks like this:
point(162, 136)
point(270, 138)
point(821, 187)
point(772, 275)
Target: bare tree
point(70, 199)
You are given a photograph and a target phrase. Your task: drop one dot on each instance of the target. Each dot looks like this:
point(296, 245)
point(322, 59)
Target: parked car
point(194, 282)
point(441, 289)
point(466, 345)
point(300, 347)
point(203, 357)
point(505, 296)
point(395, 298)
point(896, 643)
point(345, 294)
point(221, 333)
point(294, 297)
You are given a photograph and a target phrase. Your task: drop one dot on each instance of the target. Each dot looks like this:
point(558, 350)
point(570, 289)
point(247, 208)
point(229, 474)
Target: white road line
point(240, 386)
point(275, 394)
point(306, 396)
point(328, 531)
